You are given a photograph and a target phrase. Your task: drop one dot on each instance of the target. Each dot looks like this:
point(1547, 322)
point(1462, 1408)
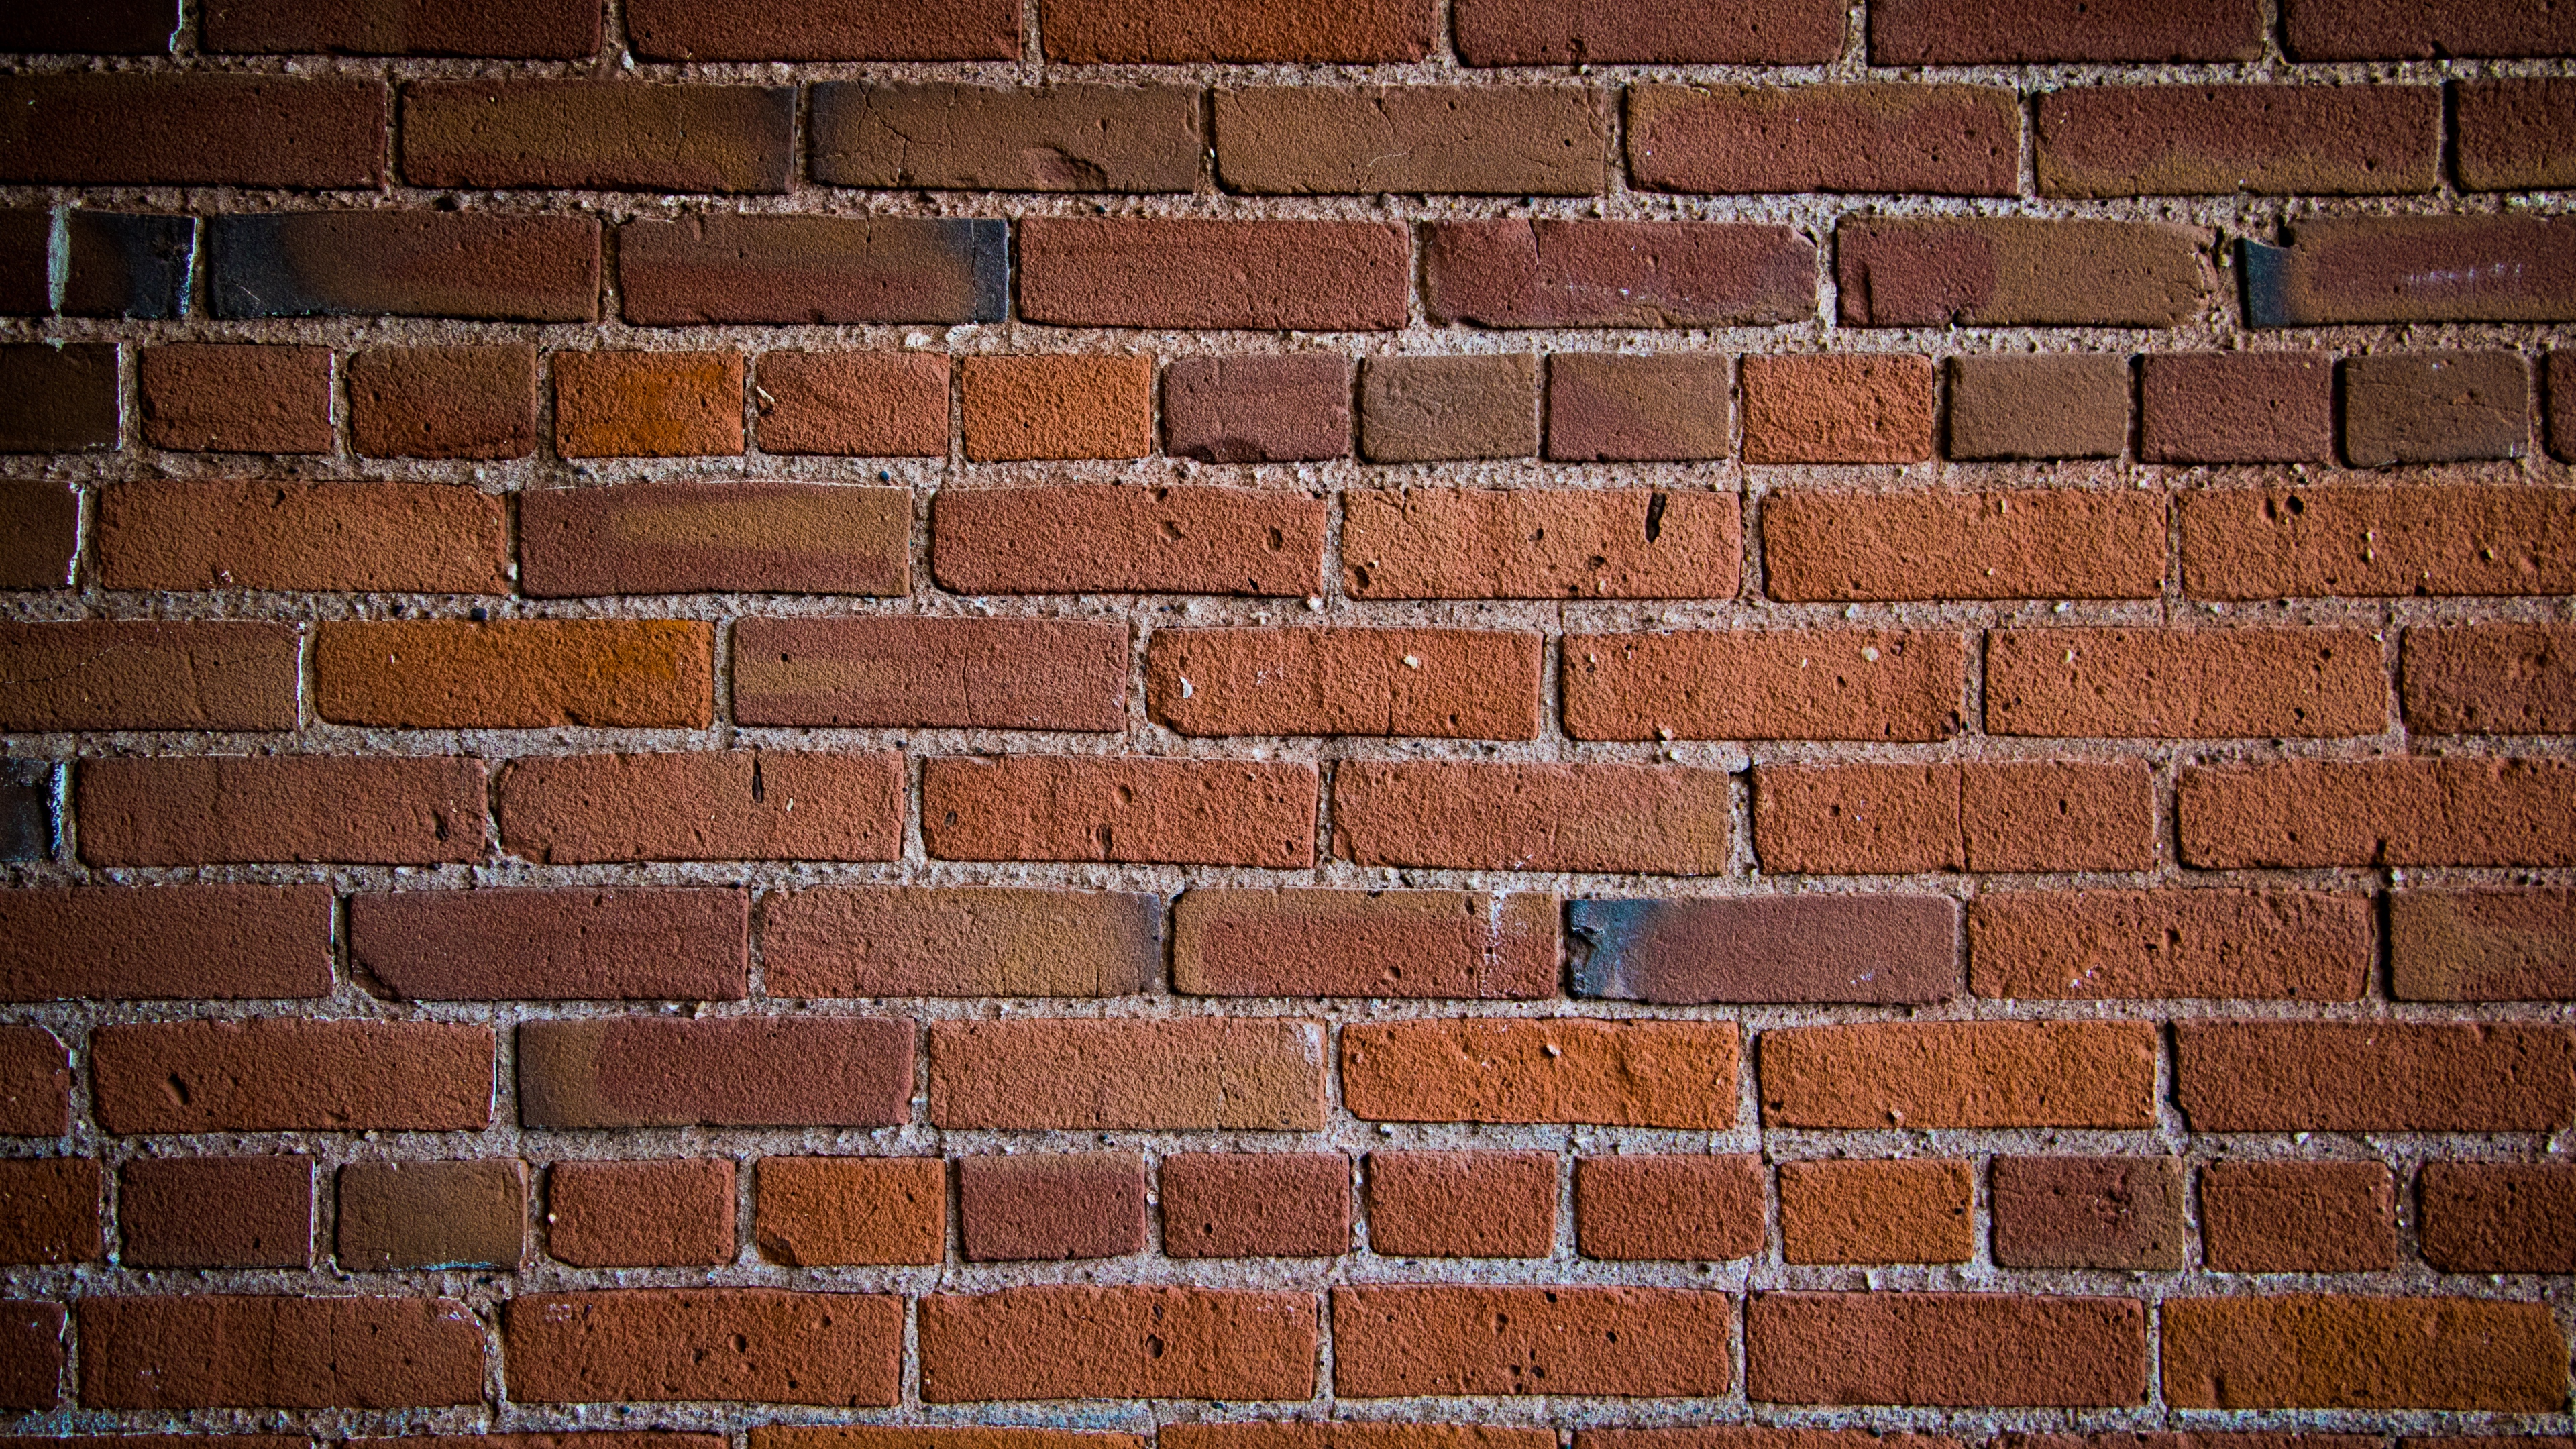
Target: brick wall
point(1410, 724)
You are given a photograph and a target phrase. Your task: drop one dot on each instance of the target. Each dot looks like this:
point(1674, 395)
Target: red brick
point(1918, 1075)
point(1949, 140)
point(1838, 408)
point(1462, 1204)
point(1623, 32)
point(1195, 1073)
point(444, 402)
point(976, 673)
point(2428, 407)
point(2171, 140)
point(1605, 407)
point(734, 536)
point(137, 129)
point(1656, 819)
point(222, 810)
point(2380, 30)
point(112, 27)
point(2185, 683)
point(941, 134)
point(1909, 1211)
point(31, 1371)
point(1065, 538)
point(2019, 32)
point(58, 399)
point(1088, 32)
point(176, 1351)
point(808, 269)
point(1066, 1342)
point(1753, 1437)
point(1055, 1205)
point(404, 263)
point(2510, 679)
point(216, 1212)
point(907, 1436)
point(2003, 271)
point(2482, 945)
point(2088, 1212)
point(1371, 140)
point(2479, 268)
point(711, 805)
point(420, 538)
point(1614, 1073)
point(543, 30)
point(2513, 133)
point(822, 30)
point(674, 1213)
point(2162, 944)
point(2289, 1076)
point(288, 1075)
point(432, 1214)
point(226, 397)
point(1341, 276)
point(1873, 948)
point(2357, 541)
point(610, 135)
point(1131, 810)
point(2236, 407)
point(2026, 543)
point(1523, 273)
point(1540, 543)
point(2314, 1350)
point(50, 1210)
point(581, 943)
point(1448, 683)
point(1418, 1339)
point(863, 404)
point(226, 942)
point(1422, 944)
point(836, 1211)
point(524, 673)
point(2039, 407)
point(1769, 684)
point(35, 1083)
point(648, 404)
point(1057, 407)
point(1668, 1206)
point(2415, 811)
point(1257, 409)
point(2499, 1217)
point(2298, 1217)
point(744, 1071)
point(39, 529)
point(1256, 1205)
point(1944, 1349)
point(758, 1345)
point(1435, 409)
point(1899, 819)
point(958, 941)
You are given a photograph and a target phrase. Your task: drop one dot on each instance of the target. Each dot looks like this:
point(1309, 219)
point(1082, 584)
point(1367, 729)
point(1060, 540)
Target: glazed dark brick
point(117, 265)
point(1296, 942)
point(241, 809)
point(2513, 133)
point(225, 942)
point(50, 1211)
point(2038, 407)
point(1288, 409)
point(1263, 275)
point(2509, 679)
point(1481, 1204)
point(2179, 140)
point(1949, 140)
point(2000, 271)
point(1007, 138)
point(2499, 1217)
point(763, 1345)
point(1430, 409)
point(1054, 1206)
point(831, 1211)
point(671, 1213)
point(542, 30)
point(822, 30)
point(2088, 1212)
point(1518, 273)
point(733, 536)
point(111, 27)
point(2298, 1217)
point(39, 528)
point(134, 128)
point(2379, 30)
point(1873, 948)
point(405, 264)
point(1669, 1207)
point(173, 1351)
point(868, 404)
point(2292, 1076)
point(720, 1072)
point(1628, 32)
point(289, 1075)
point(1256, 1205)
point(2435, 407)
point(2314, 1350)
point(444, 402)
point(1604, 407)
point(616, 135)
point(1405, 1340)
point(223, 397)
point(1096, 538)
point(810, 269)
point(432, 538)
point(27, 826)
point(35, 1083)
point(2021, 32)
point(118, 674)
point(1373, 140)
point(2482, 945)
point(1091, 32)
point(216, 1212)
point(432, 1214)
point(570, 944)
point(2236, 407)
point(2496, 268)
point(1944, 1349)
point(57, 399)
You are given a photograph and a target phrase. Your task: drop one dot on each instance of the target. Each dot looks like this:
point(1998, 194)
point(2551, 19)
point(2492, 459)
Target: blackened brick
point(498, 29)
point(405, 264)
point(1845, 948)
point(808, 269)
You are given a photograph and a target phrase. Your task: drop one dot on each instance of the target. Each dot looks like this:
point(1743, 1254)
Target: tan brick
point(1496, 140)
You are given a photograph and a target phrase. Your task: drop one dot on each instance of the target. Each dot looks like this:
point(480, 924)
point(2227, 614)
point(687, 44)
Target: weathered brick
point(822, 30)
point(794, 270)
point(1540, 543)
point(579, 943)
point(671, 1213)
point(1257, 409)
point(515, 29)
point(1098, 538)
point(1489, 140)
point(35, 1083)
point(1668, 1206)
point(1944, 1349)
point(1089, 32)
point(2182, 140)
point(31, 1372)
point(2185, 683)
point(1423, 944)
point(617, 135)
point(648, 404)
point(224, 942)
point(2317, 1350)
point(2298, 1217)
point(2429, 407)
point(2499, 1217)
point(1656, 819)
point(1872, 948)
point(908, 1436)
point(111, 27)
point(1614, 1073)
point(2152, 945)
point(867, 404)
point(173, 1351)
point(404, 264)
point(227, 809)
point(2513, 133)
point(1906, 1211)
point(2008, 272)
point(1950, 140)
point(1348, 1434)
point(2088, 1212)
point(1256, 1205)
point(28, 829)
point(1040, 407)
point(640, 1071)
point(117, 264)
point(1605, 407)
point(2026, 543)
point(51, 1210)
point(1765, 684)
point(2292, 541)
point(1447, 683)
point(57, 399)
point(1007, 138)
point(429, 538)
point(2413, 811)
point(1068, 1342)
point(216, 1212)
point(1432, 409)
point(2019, 32)
point(2482, 945)
point(444, 402)
point(225, 397)
point(2236, 407)
point(1837, 408)
point(759, 1345)
point(747, 536)
point(101, 674)
point(1353, 276)
point(288, 1075)
point(433, 1214)
point(2038, 407)
point(2508, 679)
point(1462, 1204)
point(838, 1211)
point(1404, 1341)
point(958, 941)
point(1918, 1075)
point(1901, 819)
point(2295, 1076)
point(1621, 32)
point(2495, 268)
point(135, 128)
point(1050, 1206)
point(1763, 1437)
point(527, 673)
point(2377, 30)
point(39, 531)
point(1137, 810)
point(1523, 273)
point(1199, 1073)
point(973, 673)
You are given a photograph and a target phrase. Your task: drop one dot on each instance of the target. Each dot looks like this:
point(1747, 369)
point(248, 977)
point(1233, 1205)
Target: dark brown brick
point(2299, 541)
point(2038, 407)
point(35, 1083)
point(617, 135)
point(1626, 32)
point(1898, 272)
point(2299, 1076)
point(222, 397)
point(2562, 404)
point(1089, 32)
point(216, 1212)
point(2020, 32)
point(867, 404)
point(28, 827)
point(289, 1075)
point(1668, 1207)
point(958, 941)
point(1053, 1205)
point(1430, 409)
point(1288, 409)
point(736, 536)
point(1097, 538)
point(228, 809)
point(2182, 140)
point(1297, 942)
point(1519, 273)
point(1944, 1349)
point(2513, 133)
point(405, 264)
point(830, 30)
point(763, 1345)
point(224, 942)
point(810, 269)
point(583, 943)
point(2499, 1217)
point(1874, 948)
point(835, 1211)
point(512, 29)
point(2482, 945)
point(433, 1214)
point(2298, 1217)
point(704, 805)
point(430, 538)
point(1256, 1205)
point(2236, 407)
point(31, 1371)
point(671, 1213)
point(444, 402)
point(2512, 679)
point(173, 1351)
point(57, 399)
point(1007, 138)
point(524, 673)
point(39, 528)
point(1462, 1204)
point(114, 264)
point(2088, 1212)
point(1619, 407)
point(2411, 30)
point(51, 1210)
point(134, 128)
point(1488, 140)
point(1405, 1340)
point(2319, 1350)
point(1265, 275)
point(111, 27)
point(2428, 407)
point(2401, 811)
point(1142, 1342)
point(1951, 140)
point(717, 1072)
point(2496, 268)
point(2099, 944)
point(1540, 543)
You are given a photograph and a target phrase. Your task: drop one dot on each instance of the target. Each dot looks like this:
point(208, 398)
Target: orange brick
point(2310, 1350)
point(704, 805)
point(1187, 812)
point(672, 1213)
point(1065, 1342)
point(912, 672)
point(1763, 685)
point(1624, 1073)
point(2185, 683)
point(289, 1075)
point(1946, 1349)
point(2098, 945)
point(860, 404)
point(833, 1211)
point(422, 538)
point(1912, 1210)
point(1842, 408)
point(1058, 407)
point(2027, 543)
point(1402, 1341)
point(173, 1351)
point(648, 404)
point(1190, 1073)
point(1462, 1204)
point(1540, 543)
point(516, 673)
point(1918, 1075)
point(1443, 683)
point(660, 1345)
point(1669, 1206)
point(1295, 942)
point(2361, 541)
point(1546, 817)
point(226, 809)
point(1901, 819)
point(2414, 811)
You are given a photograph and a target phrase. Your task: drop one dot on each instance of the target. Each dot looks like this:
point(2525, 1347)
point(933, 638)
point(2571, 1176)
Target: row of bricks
point(254, 942)
point(1388, 1341)
point(2119, 1213)
point(1282, 274)
point(481, 402)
